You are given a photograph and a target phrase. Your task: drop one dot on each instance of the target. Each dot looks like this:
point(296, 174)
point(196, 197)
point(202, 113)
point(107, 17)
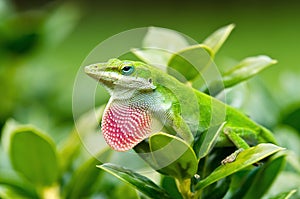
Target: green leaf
point(291, 117)
point(140, 182)
point(217, 190)
point(241, 182)
point(207, 140)
point(34, 155)
point(216, 39)
point(254, 96)
point(165, 39)
point(109, 186)
point(293, 160)
point(285, 195)
point(286, 181)
point(289, 138)
point(265, 177)
point(159, 44)
point(85, 176)
point(153, 56)
point(10, 126)
point(189, 62)
point(169, 184)
point(244, 159)
point(173, 156)
point(259, 181)
point(247, 68)
point(17, 184)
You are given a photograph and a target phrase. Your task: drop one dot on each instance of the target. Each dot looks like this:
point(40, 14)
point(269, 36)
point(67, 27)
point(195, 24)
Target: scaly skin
point(144, 100)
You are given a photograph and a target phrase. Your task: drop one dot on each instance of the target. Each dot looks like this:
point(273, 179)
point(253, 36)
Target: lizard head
point(119, 76)
point(127, 119)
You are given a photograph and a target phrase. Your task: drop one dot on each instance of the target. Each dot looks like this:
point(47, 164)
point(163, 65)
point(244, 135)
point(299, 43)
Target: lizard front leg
point(233, 135)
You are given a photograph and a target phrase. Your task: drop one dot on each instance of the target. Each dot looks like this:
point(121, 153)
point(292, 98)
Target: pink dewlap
point(124, 127)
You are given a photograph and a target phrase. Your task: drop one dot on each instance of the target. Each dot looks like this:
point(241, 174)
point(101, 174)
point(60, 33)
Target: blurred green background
point(42, 44)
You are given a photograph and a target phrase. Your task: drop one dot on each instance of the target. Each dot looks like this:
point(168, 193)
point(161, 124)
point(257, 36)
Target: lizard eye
point(127, 70)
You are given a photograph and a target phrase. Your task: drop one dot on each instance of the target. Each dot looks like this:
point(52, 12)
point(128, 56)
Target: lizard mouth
point(95, 71)
point(112, 78)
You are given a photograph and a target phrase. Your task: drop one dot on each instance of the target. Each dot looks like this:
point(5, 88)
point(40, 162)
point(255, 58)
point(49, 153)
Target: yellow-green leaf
point(244, 159)
point(173, 156)
point(217, 38)
point(246, 69)
point(33, 154)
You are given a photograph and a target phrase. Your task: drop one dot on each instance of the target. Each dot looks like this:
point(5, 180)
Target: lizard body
point(145, 100)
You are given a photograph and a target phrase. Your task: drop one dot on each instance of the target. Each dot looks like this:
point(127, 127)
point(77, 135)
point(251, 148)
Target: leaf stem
point(184, 187)
point(51, 192)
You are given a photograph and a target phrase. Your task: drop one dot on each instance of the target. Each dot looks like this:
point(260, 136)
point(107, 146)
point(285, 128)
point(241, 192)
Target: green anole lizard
point(144, 99)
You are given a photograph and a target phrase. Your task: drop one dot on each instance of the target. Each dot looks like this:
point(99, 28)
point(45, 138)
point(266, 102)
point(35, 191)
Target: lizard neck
point(120, 93)
point(128, 121)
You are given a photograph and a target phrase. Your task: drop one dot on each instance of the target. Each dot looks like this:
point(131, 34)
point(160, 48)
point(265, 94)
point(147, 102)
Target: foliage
point(35, 165)
point(184, 59)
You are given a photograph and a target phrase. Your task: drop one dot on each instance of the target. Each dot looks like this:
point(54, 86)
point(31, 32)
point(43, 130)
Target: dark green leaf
point(260, 179)
point(34, 155)
point(244, 159)
point(242, 182)
point(173, 156)
point(140, 182)
point(291, 117)
point(217, 190)
point(216, 39)
point(169, 184)
point(247, 68)
point(265, 177)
